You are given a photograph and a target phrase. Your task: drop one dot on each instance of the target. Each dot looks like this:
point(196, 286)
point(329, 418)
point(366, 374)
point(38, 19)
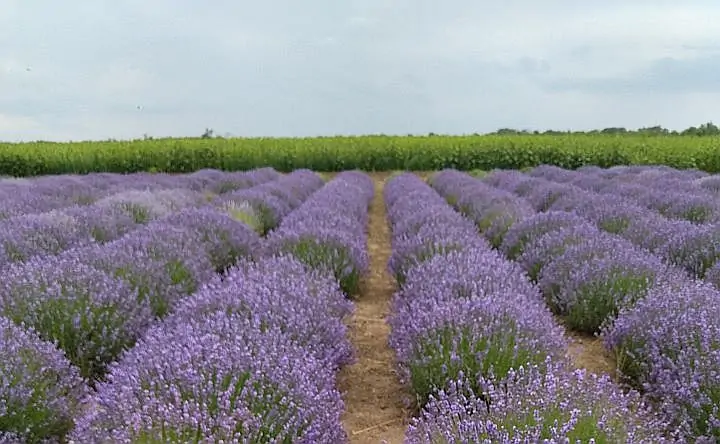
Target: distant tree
point(706, 129)
point(654, 130)
point(614, 130)
point(208, 134)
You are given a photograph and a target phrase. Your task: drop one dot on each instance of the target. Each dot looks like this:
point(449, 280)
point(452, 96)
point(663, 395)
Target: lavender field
point(260, 307)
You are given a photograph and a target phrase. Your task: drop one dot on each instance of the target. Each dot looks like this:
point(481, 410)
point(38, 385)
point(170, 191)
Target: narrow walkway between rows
point(374, 410)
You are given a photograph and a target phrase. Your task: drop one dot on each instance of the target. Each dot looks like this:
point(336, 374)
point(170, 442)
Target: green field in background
point(370, 153)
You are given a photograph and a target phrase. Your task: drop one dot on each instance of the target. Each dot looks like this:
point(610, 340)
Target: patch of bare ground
point(374, 409)
point(588, 352)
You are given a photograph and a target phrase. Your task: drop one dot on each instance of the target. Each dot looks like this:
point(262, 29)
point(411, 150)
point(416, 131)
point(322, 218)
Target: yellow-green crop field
point(369, 153)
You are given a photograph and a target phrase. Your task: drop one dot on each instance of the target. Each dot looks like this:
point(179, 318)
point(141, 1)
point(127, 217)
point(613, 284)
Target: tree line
point(706, 129)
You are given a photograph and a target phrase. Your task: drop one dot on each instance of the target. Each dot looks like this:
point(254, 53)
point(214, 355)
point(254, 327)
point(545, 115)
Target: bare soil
point(374, 407)
point(589, 353)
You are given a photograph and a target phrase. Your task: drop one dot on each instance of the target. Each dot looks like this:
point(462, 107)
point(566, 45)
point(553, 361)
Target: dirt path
point(374, 410)
point(589, 353)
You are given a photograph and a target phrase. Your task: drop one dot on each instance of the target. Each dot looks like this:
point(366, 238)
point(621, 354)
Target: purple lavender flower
point(100, 223)
point(710, 183)
point(162, 262)
point(144, 206)
point(653, 232)
point(39, 234)
point(541, 251)
point(493, 210)
point(536, 404)
point(696, 249)
point(218, 379)
point(282, 293)
point(608, 213)
point(40, 391)
point(469, 313)
point(329, 230)
point(88, 314)
point(668, 345)
point(423, 225)
point(590, 282)
point(713, 275)
point(520, 234)
point(225, 239)
point(272, 201)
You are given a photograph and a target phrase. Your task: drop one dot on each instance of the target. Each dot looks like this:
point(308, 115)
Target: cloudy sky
point(72, 70)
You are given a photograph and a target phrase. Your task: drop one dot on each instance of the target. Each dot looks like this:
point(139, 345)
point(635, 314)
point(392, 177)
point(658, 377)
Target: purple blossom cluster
point(264, 206)
point(162, 262)
point(534, 404)
point(688, 245)
point(46, 193)
point(423, 225)
point(585, 275)
point(493, 210)
point(281, 292)
point(667, 341)
point(146, 205)
point(466, 311)
point(217, 378)
point(118, 210)
point(588, 283)
point(225, 239)
point(251, 355)
point(88, 314)
point(82, 283)
point(668, 345)
point(40, 391)
point(673, 194)
point(329, 230)
point(466, 324)
point(688, 240)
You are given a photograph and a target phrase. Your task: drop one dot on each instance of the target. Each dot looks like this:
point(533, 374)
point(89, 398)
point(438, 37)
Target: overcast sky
point(72, 70)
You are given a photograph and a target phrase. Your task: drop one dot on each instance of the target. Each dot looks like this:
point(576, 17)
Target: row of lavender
point(93, 302)
point(589, 262)
point(477, 347)
point(79, 301)
point(251, 357)
point(48, 215)
point(681, 227)
point(47, 193)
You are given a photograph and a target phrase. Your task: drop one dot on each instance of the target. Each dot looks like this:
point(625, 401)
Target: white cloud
point(357, 66)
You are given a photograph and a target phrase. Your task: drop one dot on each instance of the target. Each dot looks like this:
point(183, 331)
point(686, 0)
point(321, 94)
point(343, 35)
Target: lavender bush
point(272, 201)
point(144, 206)
point(329, 230)
point(27, 236)
point(161, 262)
point(468, 313)
point(696, 250)
point(541, 251)
point(225, 239)
point(668, 345)
point(40, 391)
point(91, 316)
point(423, 225)
point(493, 210)
point(535, 404)
point(462, 308)
point(218, 379)
point(102, 224)
point(305, 304)
point(590, 282)
point(520, 234)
